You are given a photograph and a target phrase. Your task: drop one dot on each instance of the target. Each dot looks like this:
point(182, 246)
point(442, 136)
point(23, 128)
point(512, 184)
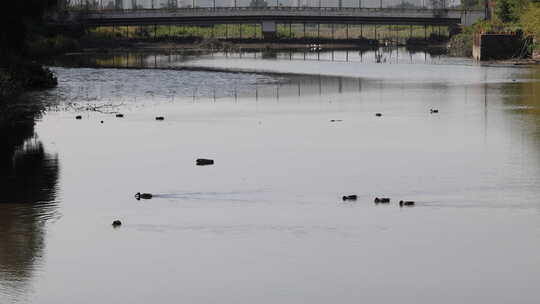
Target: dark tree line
point(17, 19)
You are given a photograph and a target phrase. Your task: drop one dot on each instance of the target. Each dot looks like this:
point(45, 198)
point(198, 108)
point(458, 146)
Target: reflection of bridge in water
point(283, 87)
point(181, 60)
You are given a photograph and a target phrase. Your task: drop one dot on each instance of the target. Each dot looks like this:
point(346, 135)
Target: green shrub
point(530, 21)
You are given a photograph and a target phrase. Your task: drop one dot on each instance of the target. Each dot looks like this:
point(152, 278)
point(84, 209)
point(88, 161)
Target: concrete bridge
point(269, 17)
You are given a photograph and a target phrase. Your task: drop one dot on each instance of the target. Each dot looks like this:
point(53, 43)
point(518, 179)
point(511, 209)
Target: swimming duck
point(117, 223)
point(434, 111)
point(204, 162)
point(406, 203)
point(140, 196)
point(120, 115)
point(378, 114)
point(382, 200)
point(160, 118)
point(350, 197)
point(78, 117)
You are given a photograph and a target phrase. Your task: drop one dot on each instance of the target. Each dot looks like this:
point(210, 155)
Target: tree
point(503, 11)
point(16, 19)
point(171, 4)
point(258, 3)
point(530, 21)
point(437, 4)
point(472, 3)
point(509, 11)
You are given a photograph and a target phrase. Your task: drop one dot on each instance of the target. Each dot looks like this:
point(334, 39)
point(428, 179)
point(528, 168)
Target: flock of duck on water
point(354, 197)
point(382, 200)
point(208, 162)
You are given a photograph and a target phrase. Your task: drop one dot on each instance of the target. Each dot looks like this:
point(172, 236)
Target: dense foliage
point(510, 16)
point(530, 21)
point(16, 20)
point(20, 20)
point(258, 3)
point(510, 11)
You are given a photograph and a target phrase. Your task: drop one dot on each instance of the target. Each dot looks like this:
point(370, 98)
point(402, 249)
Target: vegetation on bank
point(253, 31)
point(510, 16)
point(530, 21)
point(22, 39)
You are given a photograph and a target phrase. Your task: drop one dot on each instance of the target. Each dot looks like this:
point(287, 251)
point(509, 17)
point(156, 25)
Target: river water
point(290, 135)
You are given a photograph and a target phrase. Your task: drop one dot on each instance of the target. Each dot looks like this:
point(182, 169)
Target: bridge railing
point(281, 9)
point(259, 4)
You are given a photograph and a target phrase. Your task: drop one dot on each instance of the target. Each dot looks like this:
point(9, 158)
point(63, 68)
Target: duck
point(160, 118)
point(382, 200)
point(434, 111)
point(350, 197)
point(117, 223)
point(140, 196)
point(378, 114)
point(204, 162)
point(119, 115)
point(78, 117)
point(406, 203)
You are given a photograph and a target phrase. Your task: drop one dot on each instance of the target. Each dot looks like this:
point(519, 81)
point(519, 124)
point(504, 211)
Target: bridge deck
point(282, 15)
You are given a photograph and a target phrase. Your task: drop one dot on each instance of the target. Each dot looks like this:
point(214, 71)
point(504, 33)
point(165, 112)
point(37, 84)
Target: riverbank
point(20, 77)
point(518, 19)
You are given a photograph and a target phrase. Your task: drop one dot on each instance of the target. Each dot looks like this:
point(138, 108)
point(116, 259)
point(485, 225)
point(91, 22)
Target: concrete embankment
point(500, 46)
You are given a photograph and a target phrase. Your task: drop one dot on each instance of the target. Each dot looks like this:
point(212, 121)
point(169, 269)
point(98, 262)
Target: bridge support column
point(269, 29)
point(454, 30)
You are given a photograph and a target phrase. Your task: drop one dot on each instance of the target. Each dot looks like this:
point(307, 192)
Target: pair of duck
point(432, 111)
point(377, 200)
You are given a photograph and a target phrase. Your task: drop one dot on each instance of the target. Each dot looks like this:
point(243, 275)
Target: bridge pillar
point(454, 30)
point(269, 29)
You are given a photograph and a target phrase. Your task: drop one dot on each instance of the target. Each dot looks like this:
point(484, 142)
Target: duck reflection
point(28, 179)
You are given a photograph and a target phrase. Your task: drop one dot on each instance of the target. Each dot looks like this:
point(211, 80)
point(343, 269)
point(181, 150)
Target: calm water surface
point(266, 223)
